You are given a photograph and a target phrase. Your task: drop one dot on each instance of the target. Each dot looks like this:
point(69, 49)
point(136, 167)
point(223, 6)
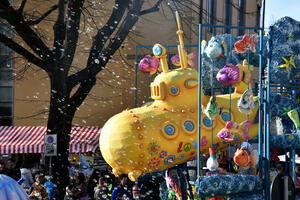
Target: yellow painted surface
point(134, 141)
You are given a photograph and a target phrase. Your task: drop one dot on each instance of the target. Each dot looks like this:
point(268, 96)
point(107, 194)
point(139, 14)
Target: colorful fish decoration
point(232, 129)
point(276, 126)
point(245, 104)
point(245, 157)
point(211, 110)
point(287, 63)
point(190, 59)
point(245, 44)
point(214, 49)
point(149, 64)
point(212, 162)
point(293, 115)
point(228, 75)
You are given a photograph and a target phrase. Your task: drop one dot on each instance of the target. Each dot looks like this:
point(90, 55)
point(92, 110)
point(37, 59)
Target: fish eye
point(244, 102)
point(243, 154)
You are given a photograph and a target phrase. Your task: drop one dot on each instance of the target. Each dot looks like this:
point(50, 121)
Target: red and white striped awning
point(30, 139)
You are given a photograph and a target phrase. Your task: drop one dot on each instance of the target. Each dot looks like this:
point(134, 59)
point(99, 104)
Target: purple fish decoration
point(149, 64)
point(228, 75)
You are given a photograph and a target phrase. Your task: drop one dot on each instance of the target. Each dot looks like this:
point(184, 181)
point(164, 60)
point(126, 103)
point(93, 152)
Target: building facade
point(25, 99)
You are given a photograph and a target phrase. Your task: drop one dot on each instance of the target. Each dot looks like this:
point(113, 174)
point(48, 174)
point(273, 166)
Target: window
point(212, 13)
point(227, 14)
point(242, 15)
point(6, 80)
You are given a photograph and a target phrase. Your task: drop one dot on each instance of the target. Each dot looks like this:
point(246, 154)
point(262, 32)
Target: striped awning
point(30, 139)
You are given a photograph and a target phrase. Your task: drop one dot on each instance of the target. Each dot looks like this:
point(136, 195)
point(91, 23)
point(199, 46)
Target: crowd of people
point(100, 185)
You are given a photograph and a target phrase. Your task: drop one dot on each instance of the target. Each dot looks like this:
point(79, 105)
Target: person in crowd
point(28, 180)
point(92, 183)
point(101, 191)
point(50, 187)
point(136, 192)
point(121, 188)
point(12, 170)
point(70, 191)
point(81, 187)
point(39, 190)
point(110, 179)
point(3, 169)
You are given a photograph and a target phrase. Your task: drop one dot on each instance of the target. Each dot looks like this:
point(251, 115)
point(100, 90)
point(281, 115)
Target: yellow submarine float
point(163, 133)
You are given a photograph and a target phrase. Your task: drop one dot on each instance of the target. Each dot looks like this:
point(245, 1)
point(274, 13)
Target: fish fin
point(190, 59)
point(203, 45)
point(252, 48)
point(244, 129)
point(153, 72)
point(224, 44)
point(220, 110)
point(203, 108)
point(255, 157)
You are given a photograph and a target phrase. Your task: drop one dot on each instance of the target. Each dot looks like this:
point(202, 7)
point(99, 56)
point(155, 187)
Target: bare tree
point(57, 60)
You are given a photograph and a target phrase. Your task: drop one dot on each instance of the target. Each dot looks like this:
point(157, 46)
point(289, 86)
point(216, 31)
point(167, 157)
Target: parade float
point(164, 132)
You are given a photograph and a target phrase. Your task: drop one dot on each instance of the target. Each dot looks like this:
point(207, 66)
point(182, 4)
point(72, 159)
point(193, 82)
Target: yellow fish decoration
point(287, 63)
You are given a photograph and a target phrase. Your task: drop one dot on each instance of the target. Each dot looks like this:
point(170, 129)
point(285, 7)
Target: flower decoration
point(216, 184)
point(154, 162)
point(153, 148)
point(163, 154)
point(169, 160)
point(181, 156)
point(291, 137)
point(236, 139)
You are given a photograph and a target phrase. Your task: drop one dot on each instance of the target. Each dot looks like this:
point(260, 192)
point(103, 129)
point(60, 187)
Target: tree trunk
point(58, 124)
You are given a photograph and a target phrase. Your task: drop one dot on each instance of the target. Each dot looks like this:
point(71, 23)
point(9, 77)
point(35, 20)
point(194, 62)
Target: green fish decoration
point(293, 114)
point(211, 110)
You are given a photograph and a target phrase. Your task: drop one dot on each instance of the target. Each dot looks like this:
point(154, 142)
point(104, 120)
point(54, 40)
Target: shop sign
point(50, 145)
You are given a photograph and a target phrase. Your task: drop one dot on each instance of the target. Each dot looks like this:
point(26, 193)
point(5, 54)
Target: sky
point(276, 9)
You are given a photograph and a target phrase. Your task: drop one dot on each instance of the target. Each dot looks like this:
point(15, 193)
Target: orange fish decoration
point(246, 43)
point(245, 157)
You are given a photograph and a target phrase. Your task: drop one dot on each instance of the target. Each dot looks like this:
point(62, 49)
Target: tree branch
point(80, 95)
point(107, 30)
point(59, 30)
point(73, 24)
point(18, 22)
point(124, 29)
point(20, 10)
point(22, 51)
point(43, 16)
point(155, 8)
point(99, 40)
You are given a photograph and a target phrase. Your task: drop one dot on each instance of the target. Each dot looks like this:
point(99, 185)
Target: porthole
point(174, 90)
point(189, 126)
point(169, 130)
point(206, 121)
point(225, 117)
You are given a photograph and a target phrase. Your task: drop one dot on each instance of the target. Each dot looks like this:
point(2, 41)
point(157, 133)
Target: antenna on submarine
point(181, 51)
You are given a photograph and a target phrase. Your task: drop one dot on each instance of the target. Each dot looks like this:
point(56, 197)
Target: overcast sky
point(276, 9)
